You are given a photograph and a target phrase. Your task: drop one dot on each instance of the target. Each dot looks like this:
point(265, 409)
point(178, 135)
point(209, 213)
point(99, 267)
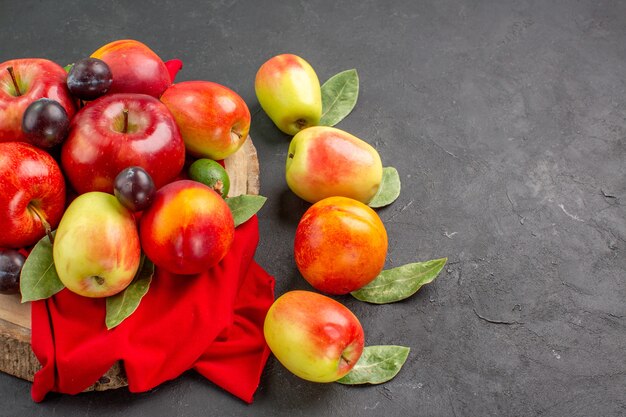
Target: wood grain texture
point(16, 355)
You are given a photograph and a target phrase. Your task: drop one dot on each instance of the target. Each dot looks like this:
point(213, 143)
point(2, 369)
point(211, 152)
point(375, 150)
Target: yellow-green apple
point(96, 247)
point(214, 120)
point(313, 336)
point(117, 131)
point(32, 194)
point(22, 81)
point(324, 162)
point(187, 229)
point(289, 91)
point(340, 245)
point(135, 68)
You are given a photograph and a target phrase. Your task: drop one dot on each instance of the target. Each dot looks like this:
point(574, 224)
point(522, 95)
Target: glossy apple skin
point(289, 91)
point(37, 78)
point(96, 149)
point(340, 245)
point(313, 336)
point(188, 228)
point(29, 177)
point(324, 162)
point(135, 68)
point(214, 120)
point(96, 247)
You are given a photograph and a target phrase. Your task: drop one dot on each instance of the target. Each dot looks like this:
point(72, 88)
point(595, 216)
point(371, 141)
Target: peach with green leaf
point(325, 162)
point(340, 245)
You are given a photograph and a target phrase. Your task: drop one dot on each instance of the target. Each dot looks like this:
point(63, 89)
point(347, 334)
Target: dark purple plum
point(45, 123)
point(134, 188)
point(11, 263)
point(89, 79)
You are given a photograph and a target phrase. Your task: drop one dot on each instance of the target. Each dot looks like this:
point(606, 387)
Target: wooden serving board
point(16, 355)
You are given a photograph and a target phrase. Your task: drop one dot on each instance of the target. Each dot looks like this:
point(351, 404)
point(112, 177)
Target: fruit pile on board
point(110, 167)
point(143, 188)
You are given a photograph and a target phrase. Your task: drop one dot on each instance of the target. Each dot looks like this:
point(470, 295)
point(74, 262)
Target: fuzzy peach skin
point(313, 336)
point(96, 248)
point(135, 68)
point(188, 228)
point(36, 78)
point(214, 121)
point(289, 92)
point(340, 245)
point(325, 161)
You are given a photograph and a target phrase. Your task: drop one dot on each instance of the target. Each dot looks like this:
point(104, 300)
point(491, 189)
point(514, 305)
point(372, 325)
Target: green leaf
point(39, 278)
point(389, 188)
point(245, 206)
point(68, 67)
point(376, 365)
point(123, 304)
point(339, 95)
point(399, 283)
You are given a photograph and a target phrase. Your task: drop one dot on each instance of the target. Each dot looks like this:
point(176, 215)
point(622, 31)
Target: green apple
point(96, 248)
point(326, 162)
point(289, 91)
point(313, 336)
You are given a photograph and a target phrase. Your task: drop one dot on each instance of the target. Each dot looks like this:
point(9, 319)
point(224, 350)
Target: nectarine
point(340, 245)
point(187, 229)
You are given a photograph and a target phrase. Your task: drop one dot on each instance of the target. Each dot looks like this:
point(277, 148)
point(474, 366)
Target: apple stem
point(301, 123)
point(17, 87)
point(290, 156)
point(43, 220)
point(125, 129)
point(345, 360)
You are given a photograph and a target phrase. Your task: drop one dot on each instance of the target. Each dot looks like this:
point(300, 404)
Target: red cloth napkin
point(173, 66)
point(211, 322)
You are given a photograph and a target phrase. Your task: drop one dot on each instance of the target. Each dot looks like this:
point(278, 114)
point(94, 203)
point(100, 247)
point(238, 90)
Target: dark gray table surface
point(507, 123)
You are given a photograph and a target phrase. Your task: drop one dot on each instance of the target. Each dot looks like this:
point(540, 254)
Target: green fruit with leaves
point(212, 174)
point(96, 248)
point(289, 91)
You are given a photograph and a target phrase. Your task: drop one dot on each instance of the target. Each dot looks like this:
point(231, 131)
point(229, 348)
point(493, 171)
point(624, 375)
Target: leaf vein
point(337, 96)
point(43, 275)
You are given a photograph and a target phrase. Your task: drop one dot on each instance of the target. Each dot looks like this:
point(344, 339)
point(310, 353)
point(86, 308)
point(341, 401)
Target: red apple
point(117, 131)
point(32, 193)
point(23, 81)
point(188, 228)
point(313, 336)
point(213, 119)
point(135, 68)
